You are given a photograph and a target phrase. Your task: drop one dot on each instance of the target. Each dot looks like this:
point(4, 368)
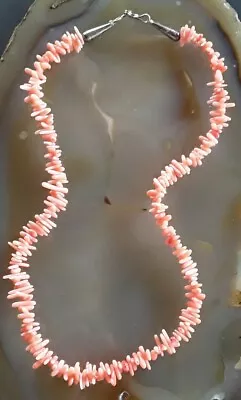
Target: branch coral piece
point(42, 224)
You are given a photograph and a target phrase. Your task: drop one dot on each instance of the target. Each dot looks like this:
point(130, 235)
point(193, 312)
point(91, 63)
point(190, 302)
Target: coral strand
point(42, 224)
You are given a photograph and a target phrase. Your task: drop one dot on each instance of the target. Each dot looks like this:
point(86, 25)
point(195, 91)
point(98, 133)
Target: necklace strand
point(42, 224)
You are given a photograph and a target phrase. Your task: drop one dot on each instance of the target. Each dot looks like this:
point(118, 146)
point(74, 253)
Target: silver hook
point(146, 18)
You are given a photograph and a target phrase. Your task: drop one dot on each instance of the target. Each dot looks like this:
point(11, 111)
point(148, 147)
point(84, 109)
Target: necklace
point(56, 202)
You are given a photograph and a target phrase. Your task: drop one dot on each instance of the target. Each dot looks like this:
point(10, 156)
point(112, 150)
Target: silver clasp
point(145, 18)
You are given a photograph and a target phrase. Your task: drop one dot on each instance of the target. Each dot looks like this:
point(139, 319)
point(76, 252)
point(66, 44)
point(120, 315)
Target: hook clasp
point(145, 18)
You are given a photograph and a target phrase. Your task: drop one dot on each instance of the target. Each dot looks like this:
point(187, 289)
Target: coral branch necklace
point(42, 224)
